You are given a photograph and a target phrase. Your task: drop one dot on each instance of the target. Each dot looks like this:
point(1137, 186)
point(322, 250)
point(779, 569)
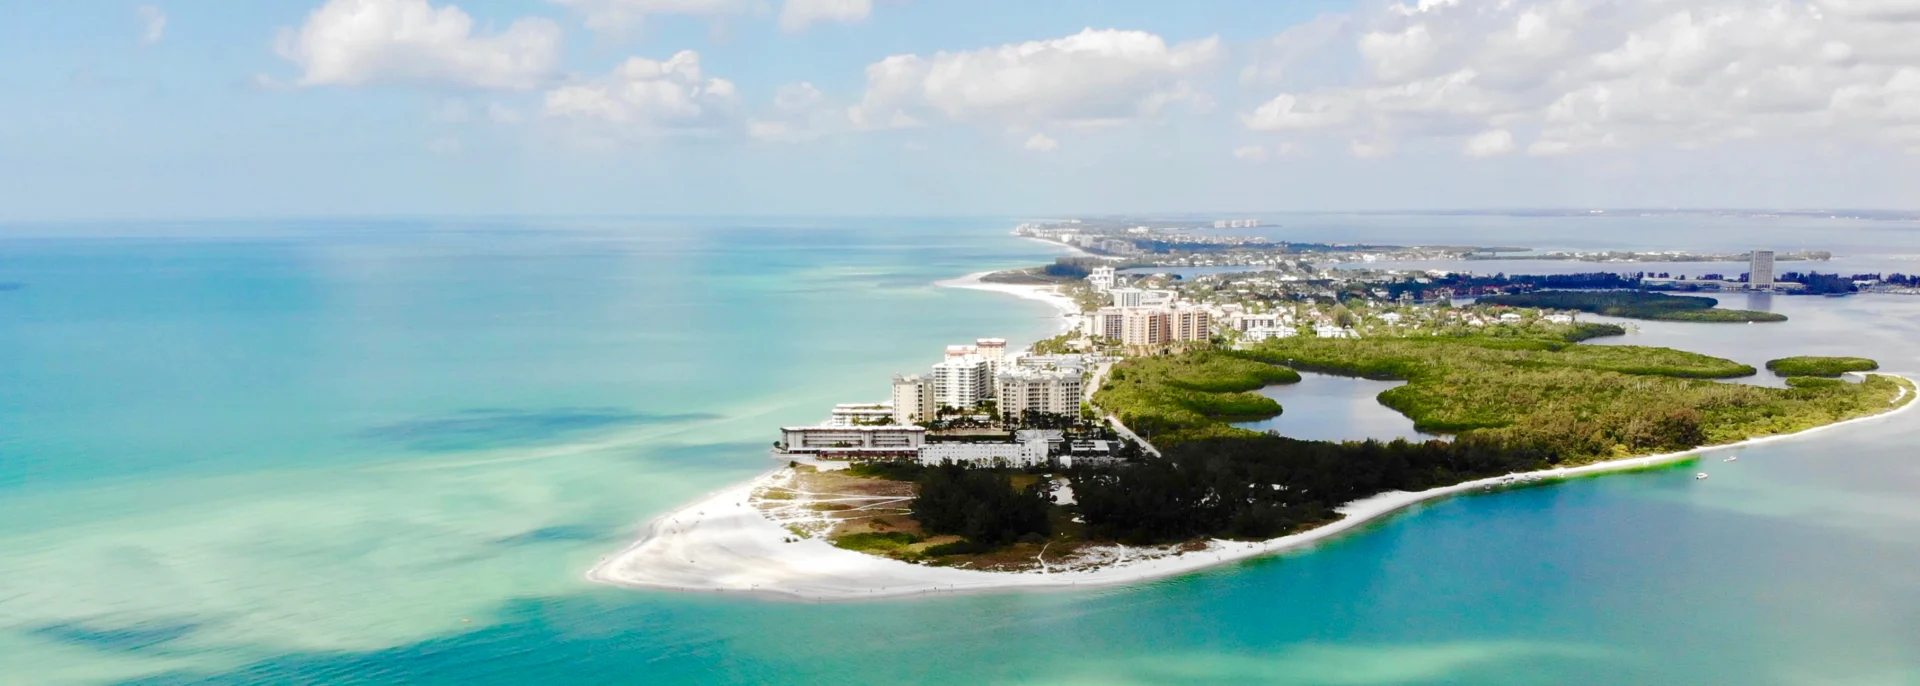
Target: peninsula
point(1108, 454)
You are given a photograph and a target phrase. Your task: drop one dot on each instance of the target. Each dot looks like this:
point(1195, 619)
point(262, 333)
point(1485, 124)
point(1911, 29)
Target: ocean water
point(386, 451)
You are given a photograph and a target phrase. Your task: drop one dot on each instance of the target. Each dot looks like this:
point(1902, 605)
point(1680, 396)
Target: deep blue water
point(385, 452)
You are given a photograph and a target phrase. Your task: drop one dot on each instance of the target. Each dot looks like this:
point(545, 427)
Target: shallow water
point(385, 452)
point(1325, 407)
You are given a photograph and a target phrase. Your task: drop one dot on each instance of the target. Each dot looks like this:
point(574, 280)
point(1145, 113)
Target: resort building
point(853, 440)
point(1102, 278)
point(1145, 327)
point(860, 414)
point(1760, 272)
point(1107, 322)
point(994, 350)
point(913, 399)
point(1261, 333)
point(962, 382)
point(1192, 324)
point(1031, 449)
point(1135, 297)
point(1052, 392)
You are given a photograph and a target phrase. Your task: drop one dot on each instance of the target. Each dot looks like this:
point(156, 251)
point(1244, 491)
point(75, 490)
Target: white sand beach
point(723, 543)
point(1069, 310)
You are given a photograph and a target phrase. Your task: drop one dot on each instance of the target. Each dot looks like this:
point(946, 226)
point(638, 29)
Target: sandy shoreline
point(1069, 310)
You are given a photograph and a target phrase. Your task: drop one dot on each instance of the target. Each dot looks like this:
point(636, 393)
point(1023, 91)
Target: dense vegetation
point(1515, 405)
point(1820, 366)
point(1193, 395)
point(1634, 305)
point(980, 505)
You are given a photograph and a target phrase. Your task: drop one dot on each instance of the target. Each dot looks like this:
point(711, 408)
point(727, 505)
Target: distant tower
point(1760, 273)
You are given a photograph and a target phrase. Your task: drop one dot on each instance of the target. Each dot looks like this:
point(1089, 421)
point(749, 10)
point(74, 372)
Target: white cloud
point(1251, 153)
point(354, 42)
point(796, 15)
point(1371, 149)
point(1584, 75)
point(1489, 144)
point(615, 16)
point(154, 26)
point(800, 112)
point(643, 95)
point(1092, 77)
point(1041, 142)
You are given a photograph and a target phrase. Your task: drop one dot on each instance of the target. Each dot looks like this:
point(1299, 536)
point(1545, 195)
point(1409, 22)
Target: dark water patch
point(129, 638)
point(11, 287)
point(494, 428)
point(548, 534)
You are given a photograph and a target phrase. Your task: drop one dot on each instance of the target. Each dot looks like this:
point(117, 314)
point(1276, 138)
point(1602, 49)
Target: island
point(1820, 366)
point(1635, 305)
point(1109, 453)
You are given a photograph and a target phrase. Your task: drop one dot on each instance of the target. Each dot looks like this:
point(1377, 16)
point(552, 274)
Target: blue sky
point(194, 108)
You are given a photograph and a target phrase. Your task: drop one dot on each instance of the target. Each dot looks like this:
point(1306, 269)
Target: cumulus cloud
point(1370, 149)
point(1489, 144)
point(1577, 76)
point(354, 42)
point(800, 112)
point(154, 24)
point(1092, 77)
point(1251, 153)
point(646, 96)
point(1041, 142)
point(614, 16)
point(796, 15)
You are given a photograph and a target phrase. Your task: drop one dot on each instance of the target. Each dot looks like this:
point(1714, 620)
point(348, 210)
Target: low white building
point(853, 441)
point(1262, 333)
point(1033, 451)
point(1331, 331)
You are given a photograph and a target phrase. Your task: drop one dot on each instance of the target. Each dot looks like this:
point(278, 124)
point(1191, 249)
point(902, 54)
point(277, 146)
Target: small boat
point(1701, 475)
point(1731, 458)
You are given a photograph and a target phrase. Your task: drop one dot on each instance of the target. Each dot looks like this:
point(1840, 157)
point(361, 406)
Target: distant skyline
point(315, 108)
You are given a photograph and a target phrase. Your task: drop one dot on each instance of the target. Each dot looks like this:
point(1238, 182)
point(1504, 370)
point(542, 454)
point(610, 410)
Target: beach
point(1069, 310)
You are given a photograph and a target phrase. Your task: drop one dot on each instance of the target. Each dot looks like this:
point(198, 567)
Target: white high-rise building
point(1760, 273)
point(1135, 297)
point(962, 382)
point(1101, 278)
point(1052, 392)
point(913, 399)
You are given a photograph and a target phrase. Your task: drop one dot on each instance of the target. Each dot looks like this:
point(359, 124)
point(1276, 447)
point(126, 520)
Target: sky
point(315, 108)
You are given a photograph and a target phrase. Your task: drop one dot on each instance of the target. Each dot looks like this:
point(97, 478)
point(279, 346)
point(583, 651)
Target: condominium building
point(913, 399)
point(962, 382)
point(1052, 392)
point(1146, 327)
point(1106, 322)
point(1135, 297)
point(1102, 278)
point(994, 350)
point(1760, 273)
point(1192, 324)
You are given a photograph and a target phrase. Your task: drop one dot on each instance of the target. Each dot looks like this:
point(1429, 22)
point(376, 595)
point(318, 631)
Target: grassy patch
point(1820, 366)
point(877, 542)
point(1191, 395)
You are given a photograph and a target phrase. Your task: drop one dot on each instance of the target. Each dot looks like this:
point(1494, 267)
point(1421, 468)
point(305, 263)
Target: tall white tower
point(1760, 273)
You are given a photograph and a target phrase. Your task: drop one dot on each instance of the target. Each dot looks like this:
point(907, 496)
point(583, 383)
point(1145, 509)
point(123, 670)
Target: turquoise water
point(385, 452)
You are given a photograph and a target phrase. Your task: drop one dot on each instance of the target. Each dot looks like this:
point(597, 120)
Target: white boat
point(1731, 458)
point(1701, 475)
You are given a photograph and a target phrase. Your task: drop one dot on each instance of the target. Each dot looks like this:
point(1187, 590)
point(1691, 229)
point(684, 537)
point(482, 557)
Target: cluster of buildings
point(1235, 223)
point(966, 379)
point(1143, 317)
